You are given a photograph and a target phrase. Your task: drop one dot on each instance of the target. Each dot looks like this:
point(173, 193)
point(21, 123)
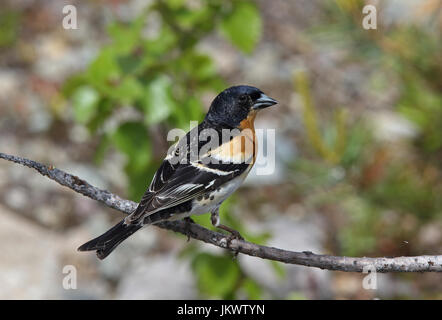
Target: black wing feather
point(175, 183)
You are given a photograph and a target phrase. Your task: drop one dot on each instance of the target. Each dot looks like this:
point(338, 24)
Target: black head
point(234, 104)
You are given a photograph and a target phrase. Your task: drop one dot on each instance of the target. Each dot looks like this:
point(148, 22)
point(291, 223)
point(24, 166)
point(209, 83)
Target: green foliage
point(357, 146)
point(85, 103)
point(359, 234)
point(236, 281)
point(414, 53)
point(217, 275)
point(407, 190)
point(421, 72)
point(332, 154)
point(252, 289)
point(243, 26)
point(130, 139)
point(9, 27)
point(162, 76)
point(375, 177)
point(158, 93)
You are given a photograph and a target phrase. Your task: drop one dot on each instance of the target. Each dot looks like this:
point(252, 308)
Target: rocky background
point(323, 209)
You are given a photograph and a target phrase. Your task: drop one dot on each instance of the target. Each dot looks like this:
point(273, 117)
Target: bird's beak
point(263, 101)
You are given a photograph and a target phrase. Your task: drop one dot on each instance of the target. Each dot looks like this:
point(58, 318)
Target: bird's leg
point(188, 221)
point(215, 222)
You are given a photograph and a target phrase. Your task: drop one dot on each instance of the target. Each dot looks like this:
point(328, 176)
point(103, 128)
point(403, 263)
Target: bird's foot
point(189, 222)
point(234, 235)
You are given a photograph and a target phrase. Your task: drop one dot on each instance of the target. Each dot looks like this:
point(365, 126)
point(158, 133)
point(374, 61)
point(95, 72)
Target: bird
point(200, 171)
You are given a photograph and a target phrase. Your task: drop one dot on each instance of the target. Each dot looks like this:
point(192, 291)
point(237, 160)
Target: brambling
point(201, 170)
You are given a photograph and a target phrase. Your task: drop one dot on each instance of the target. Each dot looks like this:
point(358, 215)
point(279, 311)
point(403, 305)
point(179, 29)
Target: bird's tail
point(109, 240)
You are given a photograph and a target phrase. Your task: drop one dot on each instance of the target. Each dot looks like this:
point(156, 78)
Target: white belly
point(215, 198)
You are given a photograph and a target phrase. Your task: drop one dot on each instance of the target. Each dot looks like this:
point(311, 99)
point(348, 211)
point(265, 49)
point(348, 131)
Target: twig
point(424, 263)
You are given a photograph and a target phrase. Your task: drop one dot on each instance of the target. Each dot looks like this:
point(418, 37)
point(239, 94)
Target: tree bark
point(425, 263)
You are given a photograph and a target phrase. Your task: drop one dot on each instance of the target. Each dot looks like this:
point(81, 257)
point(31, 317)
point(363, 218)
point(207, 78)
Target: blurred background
point(358, 142)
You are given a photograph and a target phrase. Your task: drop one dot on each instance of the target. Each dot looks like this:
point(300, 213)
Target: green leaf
point(203, 220)
point(243, 26)
point(158, 102)
point(127, 91)
point(139, 179)
point(127, 36)
point(217, 275)
point(129, 63)
point(165, 42)
point(132, 139)
point(195, 109)
point(73, 83)
point(103, 69)
point(84, 102)
point(104, 110)
point(9, 27)
point(252, 288)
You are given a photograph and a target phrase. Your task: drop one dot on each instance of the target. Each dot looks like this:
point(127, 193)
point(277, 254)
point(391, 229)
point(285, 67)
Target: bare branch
point(425, 263)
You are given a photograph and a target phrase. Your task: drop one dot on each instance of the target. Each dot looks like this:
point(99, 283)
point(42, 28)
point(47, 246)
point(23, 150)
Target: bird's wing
point(175, 184)
point(177, 181)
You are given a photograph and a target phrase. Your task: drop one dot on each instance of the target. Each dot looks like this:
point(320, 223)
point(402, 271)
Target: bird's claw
point(188, 221)
point(234, 235)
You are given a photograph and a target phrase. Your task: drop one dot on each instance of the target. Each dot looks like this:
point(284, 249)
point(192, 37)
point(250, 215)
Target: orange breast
point(247, 127)
point(243, 147)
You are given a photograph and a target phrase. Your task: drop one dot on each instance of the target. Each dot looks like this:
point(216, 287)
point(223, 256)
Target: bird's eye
point(243, 98)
